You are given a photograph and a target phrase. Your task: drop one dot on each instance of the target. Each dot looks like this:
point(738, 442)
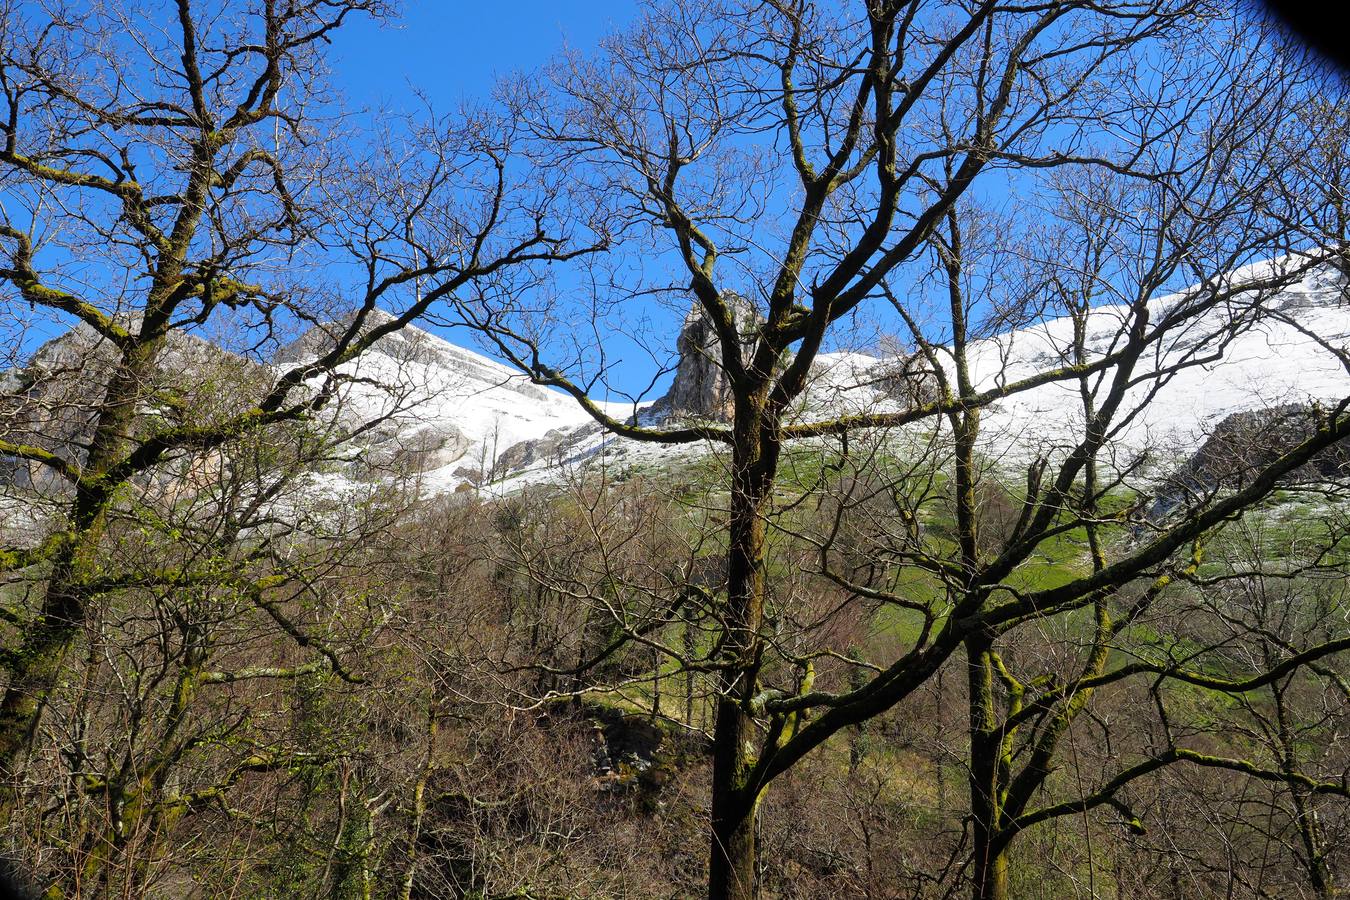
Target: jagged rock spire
point(701, 389)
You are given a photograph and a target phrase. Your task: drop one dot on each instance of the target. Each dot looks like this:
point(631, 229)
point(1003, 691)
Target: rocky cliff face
point(445, 413)
point(700, 389)
point(54, 401)
point(1246, 442)
point(908, 379)
point(553, 448)
point(1241, 446)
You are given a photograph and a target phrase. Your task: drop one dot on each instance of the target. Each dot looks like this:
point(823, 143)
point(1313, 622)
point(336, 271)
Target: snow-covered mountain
point(1252, 352)
point(448, 412)
point(1248, 354)
point(455, 417)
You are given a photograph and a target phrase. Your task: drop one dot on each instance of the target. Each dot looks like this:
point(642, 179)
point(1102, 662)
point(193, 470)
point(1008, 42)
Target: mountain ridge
point(457, 418)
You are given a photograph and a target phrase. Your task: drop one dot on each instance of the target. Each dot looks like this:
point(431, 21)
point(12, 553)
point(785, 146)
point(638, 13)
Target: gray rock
point(909, 379)
point(550, 449)
point(408, 344)
point(54, 401)
point(1242, 445)
point(423, 448)
point(701, 389)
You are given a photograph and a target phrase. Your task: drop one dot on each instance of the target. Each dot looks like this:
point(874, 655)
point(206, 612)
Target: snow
point(1274, 361)
point(430, 389)
point(433, 388)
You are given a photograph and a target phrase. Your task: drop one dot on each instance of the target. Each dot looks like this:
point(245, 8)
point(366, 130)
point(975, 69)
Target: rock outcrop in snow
point(451, 416)
point(1242, 446)
point(53, 401)
point(445, 413)
point(700, 389)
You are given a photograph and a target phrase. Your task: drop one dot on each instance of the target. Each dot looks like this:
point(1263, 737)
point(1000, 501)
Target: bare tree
point(167, 177)
point(822, 160)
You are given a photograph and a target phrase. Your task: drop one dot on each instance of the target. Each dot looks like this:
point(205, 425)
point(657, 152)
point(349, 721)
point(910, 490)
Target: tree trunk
point(1305, 816)
point(991, 871)
point(731, 872)
point(35, 668)
point(734, 800)
point(987, 777)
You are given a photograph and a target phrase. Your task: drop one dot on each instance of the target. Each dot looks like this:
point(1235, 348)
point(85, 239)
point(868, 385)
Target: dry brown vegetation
point(849, 655)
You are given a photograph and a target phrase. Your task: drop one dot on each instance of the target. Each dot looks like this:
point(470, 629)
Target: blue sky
point(455, 48)
point(452, 50)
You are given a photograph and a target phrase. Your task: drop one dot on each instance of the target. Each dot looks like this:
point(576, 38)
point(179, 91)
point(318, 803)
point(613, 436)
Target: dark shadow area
point(11, 887)
point(1314, 24)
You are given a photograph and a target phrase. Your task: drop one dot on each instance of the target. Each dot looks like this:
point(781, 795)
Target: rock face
point(409, 345)
point(700, 389)
point(422, 448)
point(438, 410)
point(54, 401)
point(1245, 442)
point(1242, 445)
point(908, 378)
point(549, 449)
point(50, 403)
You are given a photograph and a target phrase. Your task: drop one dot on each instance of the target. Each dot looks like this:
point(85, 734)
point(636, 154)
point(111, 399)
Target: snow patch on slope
point(473, 409)
point(447, 409)
point(1274, 358)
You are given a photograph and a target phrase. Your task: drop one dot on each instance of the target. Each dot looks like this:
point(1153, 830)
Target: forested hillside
point(864, 448)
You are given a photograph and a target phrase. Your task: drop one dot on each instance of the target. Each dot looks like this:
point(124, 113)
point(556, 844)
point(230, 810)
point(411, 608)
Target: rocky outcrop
point(54, 401)
point(909, 379)
point(550, 449)
point(405, 345)
point(51, 403)
point(700, 389)
point(1244, 443)
point(632, 753)
point(429, 446)
point(1241, 446)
